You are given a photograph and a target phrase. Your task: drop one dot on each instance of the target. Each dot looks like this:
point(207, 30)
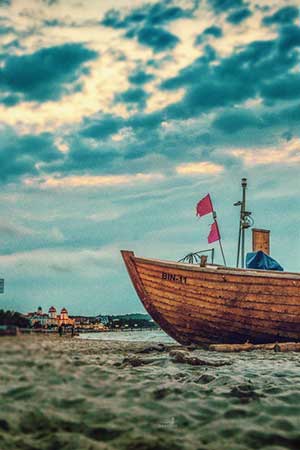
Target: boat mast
point(243, 210)
point(220, 241)
point(245, 223)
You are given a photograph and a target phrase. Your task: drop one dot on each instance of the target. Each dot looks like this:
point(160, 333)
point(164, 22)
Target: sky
point(117, 117)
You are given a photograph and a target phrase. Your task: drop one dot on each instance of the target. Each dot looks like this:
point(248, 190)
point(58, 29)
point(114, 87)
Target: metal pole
point(221, 248)
point(245, 222)
point(239, 244)
point(243, 209)
point(220, 242)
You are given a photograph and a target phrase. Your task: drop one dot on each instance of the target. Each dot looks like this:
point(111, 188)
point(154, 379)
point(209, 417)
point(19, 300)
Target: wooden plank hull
point(214, 304)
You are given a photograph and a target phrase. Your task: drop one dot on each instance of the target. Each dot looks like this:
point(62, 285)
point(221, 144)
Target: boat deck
point(219, 268)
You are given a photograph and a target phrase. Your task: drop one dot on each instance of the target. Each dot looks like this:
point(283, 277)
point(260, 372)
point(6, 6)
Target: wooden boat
point(216, 304)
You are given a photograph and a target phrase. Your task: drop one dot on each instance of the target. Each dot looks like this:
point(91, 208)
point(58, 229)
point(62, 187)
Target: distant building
point(92, 323)
point(38, 317)
point(64, 318)
point(52, 319)
point(105, 320)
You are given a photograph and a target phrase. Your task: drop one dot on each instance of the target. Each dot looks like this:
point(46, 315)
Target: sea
point(130, 336)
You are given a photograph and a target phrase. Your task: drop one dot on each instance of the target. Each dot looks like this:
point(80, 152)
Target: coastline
point(81, 394)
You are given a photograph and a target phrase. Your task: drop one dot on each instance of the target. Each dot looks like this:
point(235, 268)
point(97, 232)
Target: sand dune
point(71, 394)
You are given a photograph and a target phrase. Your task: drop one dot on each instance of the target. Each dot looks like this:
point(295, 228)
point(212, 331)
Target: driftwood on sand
point(153, 348)
point(135, 361)
point(182, 357)
point(275, 346)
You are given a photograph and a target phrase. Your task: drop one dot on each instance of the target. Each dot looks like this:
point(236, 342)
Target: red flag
point(204, 206)
point(214, 234)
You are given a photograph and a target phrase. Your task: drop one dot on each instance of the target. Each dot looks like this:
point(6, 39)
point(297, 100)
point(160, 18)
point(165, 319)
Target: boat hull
point(203, 305)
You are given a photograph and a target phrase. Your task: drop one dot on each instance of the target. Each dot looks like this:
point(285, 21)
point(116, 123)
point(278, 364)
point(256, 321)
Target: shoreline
point(79, 394)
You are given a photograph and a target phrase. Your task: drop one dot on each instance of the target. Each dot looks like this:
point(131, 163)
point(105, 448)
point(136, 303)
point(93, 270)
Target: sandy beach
point(71, 394)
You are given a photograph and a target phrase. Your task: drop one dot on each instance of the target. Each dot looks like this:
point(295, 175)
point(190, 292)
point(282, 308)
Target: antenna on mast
point(245, 222)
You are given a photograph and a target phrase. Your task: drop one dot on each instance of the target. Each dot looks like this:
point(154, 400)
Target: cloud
point(188, 120)
point(141, 123)
point(282, 16)
point(101, 128)
point(47, 74)
point(212, 88)
point(133, 97)
point(224, 5)
point(286, 153)
point(237, 78)
point(51, 2)
point(289, 38)
point(147, 24)
point(83, 157)
point(286, 87)
point(157, 38)
point(57, 259)
point(113, 19)
point(88, 181)
point(106, 216)
point(11, 46)
point(199, 168)
point(213, 31)
point(9, 100)
point(236, 17)
point(288, 116)
point(5, 29)
point(140, 77)
point(53, 23)
point(209, 94)
point(159, 13)
point(11, 230)
point(20, 155)
point(192, 74)
point(234, 120)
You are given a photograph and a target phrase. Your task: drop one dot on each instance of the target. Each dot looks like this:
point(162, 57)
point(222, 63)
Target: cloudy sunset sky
point(116, 117)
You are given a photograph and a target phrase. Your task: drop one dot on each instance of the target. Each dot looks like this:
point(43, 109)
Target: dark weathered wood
point(213, 304)
point(287, 347)
point(159, 318)
point(215, 268)
point(247, 347)
point(217, 294)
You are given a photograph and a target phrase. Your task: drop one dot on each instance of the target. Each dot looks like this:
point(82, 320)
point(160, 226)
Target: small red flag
point(214, 234)
point(204, 206)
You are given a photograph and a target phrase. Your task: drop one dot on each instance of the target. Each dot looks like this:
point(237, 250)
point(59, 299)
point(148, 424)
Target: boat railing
point(197, 257)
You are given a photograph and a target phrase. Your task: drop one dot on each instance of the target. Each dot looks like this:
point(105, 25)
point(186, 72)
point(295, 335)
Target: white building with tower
point(52, 319)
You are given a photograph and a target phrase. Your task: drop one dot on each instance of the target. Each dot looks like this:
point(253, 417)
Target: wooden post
point(203, 260)
point(261, 240)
